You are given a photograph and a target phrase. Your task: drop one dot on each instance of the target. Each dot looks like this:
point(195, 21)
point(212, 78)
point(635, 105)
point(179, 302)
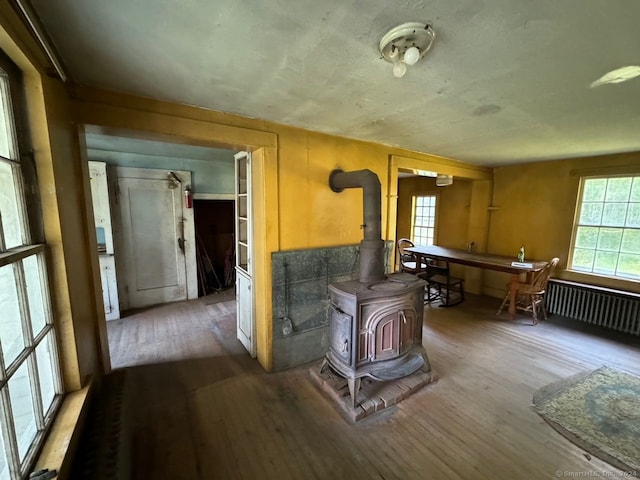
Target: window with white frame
point(607, 230)
point(423, 224)
point(30, 382)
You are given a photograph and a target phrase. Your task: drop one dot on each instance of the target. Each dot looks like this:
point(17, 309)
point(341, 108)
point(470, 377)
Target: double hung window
point(30, 381)
point(607, 228)
point(423, 224)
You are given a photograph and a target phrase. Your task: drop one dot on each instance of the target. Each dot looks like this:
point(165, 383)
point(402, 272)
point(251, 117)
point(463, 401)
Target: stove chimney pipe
point(371, 246)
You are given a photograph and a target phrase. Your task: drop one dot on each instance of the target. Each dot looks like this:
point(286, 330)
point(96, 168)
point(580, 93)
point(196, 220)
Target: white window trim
point(413, 214)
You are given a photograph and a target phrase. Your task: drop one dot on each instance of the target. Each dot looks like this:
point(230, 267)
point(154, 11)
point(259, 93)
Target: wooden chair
point(531, 296)
point(442, 286)
point(408, 261)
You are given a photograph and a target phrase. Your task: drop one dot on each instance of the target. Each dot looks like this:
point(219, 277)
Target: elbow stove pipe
point(372, 245)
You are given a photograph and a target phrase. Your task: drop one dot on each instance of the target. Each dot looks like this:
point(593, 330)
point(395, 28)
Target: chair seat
point(408, 261)
point(530, 297)
point(527, 289)
point(530, 291)
point(413, 266)
point(444, 280)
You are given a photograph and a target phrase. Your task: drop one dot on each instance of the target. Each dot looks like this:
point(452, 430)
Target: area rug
point(599, 411)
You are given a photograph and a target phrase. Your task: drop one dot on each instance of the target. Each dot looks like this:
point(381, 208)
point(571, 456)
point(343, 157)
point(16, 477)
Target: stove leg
point(354, 387)
point(324, 365)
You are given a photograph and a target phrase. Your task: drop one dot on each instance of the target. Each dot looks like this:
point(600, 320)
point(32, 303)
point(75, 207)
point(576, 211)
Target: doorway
point(214, 222)
point(164, 150)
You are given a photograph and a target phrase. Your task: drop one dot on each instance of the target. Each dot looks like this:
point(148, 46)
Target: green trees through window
point(424, 220)
point(607, 231)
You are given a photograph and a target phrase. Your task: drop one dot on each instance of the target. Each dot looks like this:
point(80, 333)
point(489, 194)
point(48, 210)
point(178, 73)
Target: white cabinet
point(104, 236)
point(244, 304)
point(244, 271)
point(243, 212)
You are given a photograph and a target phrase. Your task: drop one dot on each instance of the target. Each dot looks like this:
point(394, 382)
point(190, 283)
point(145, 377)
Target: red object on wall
point(188, 199)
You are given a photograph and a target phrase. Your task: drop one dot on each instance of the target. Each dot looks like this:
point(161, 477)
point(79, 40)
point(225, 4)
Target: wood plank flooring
point(203, 409)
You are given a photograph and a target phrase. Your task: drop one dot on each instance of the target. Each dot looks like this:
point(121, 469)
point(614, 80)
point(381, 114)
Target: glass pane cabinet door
point(244, 280)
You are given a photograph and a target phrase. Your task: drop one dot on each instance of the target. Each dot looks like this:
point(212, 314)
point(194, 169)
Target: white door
point(244, 303)
point(156, 237)
point(244, 294)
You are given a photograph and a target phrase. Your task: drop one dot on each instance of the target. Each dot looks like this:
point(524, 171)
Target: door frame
point(188, 226)
point(102, 112)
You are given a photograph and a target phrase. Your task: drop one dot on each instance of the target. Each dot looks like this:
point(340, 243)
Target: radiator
point(614, 309)
point(104, 452)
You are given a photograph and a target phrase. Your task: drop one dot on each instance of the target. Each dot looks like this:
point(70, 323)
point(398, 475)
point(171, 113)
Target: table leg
point(513, 294)
point(419, 259)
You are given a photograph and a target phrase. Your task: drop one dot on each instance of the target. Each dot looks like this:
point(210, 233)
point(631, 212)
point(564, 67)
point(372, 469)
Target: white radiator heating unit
point(615, 309)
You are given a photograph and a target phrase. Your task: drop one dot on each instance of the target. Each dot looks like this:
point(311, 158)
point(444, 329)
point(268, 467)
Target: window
point(30, 383)
point(607, 230)
point(423, 225)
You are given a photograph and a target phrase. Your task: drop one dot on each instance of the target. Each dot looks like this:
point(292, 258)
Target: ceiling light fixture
point(406, 44)
point(619, 75)
point(443, 180)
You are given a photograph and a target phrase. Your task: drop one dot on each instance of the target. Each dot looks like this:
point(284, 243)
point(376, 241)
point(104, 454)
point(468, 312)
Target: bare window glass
point(10, 318)
point(22, 406)
point(7, 137)
point(30, 382)
point(33, 277)
point(46, 357)
point(607, 233)
point(12, 224)
point(424, 220)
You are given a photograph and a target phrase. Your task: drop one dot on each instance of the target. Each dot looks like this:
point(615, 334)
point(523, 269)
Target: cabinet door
point(244, 303)
point(244, 243)
point(243, 213)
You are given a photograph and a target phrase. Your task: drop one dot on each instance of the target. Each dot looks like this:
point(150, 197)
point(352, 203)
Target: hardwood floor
point(203, 409)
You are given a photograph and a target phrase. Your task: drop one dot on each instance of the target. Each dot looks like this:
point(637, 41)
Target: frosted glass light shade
point(399, 69)
point(406, 44)
point(411, 56)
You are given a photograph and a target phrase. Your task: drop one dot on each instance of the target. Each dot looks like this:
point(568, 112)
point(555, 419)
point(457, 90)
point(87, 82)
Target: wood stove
point(376, 329)
point(375, 323)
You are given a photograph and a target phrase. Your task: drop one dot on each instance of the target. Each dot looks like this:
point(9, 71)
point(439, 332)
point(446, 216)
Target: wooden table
point(481, 260)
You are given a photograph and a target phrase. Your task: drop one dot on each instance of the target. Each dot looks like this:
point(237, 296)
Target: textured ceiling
point(505, 81)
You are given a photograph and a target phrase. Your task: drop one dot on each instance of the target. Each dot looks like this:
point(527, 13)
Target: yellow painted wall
point(452, 218)
point(537, 205)
point(311, 214)
point(452, 204)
